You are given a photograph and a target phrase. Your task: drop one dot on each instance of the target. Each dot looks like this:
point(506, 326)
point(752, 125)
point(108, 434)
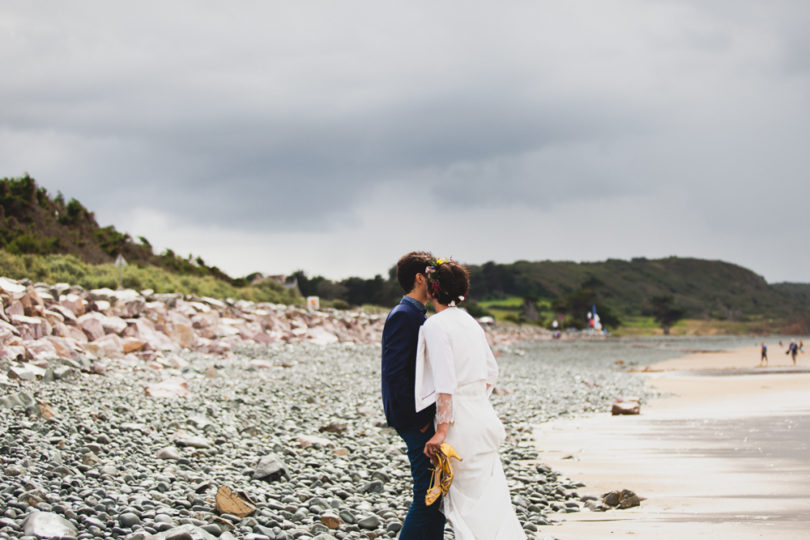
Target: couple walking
point(437, 375)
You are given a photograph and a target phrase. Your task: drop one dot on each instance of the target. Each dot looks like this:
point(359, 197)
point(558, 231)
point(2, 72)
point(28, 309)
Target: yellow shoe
point(449, 451)
point(442, 477)
point(434, 490)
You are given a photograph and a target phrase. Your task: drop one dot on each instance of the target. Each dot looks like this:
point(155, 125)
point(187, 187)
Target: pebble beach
point(296, 428)
point(133, 415)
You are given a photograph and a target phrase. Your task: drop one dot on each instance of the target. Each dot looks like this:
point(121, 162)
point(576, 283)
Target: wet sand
point(724, 456)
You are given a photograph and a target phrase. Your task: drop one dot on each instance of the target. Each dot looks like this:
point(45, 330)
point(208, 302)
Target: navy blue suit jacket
point(400, 337)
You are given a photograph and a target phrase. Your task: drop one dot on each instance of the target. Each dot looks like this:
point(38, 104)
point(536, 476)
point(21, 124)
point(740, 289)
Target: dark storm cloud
point(287, 118)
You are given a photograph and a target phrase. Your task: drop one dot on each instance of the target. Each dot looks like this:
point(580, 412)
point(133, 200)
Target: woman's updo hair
point(448, 282)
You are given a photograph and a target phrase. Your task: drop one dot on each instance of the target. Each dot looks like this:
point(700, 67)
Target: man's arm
point(397, 342)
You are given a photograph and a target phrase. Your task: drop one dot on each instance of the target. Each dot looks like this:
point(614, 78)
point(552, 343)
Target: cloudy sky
point(334, 136)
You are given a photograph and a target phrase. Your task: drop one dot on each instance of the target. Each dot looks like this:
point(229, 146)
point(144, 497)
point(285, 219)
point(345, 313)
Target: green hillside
point(34, 222)
point(44, 238)
point(703, 288)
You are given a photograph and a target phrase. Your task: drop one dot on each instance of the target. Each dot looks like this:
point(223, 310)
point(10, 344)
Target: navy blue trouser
point(422, 522)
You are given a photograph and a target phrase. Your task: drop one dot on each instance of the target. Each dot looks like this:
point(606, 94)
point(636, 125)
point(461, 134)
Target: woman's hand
point(432, 446)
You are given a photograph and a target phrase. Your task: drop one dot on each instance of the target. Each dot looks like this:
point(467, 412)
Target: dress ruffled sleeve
point(435, 371)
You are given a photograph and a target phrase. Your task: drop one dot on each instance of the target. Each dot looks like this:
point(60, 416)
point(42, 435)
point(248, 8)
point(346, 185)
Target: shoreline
point(722, 453)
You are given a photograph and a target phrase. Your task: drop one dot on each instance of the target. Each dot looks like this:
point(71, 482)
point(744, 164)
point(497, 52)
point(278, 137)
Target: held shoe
point(442, 476)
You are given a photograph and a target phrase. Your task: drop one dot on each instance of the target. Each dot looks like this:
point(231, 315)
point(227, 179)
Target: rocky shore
point(40, 322)
point(140, 444)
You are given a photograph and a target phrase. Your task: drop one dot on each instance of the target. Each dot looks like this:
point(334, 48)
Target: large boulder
point(7, 331)
point(75, 333)
point(15, 308)
point(107, 346)
point(65, 347)
point(74, 303)
point(132, 344)
point(91, 324)
point(11, 288)
point(104, 294)
point(53, 317)
point(128, 303)
point(31, 300)
point(41, 349)
point(68, 316)
point(144, 330)
point(12, 352)
point(31, 328)
point(113, 325)
point(26, 372)
point(180, 329)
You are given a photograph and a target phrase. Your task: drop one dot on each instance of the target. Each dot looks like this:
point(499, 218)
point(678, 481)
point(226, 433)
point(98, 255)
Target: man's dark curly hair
point(409, 265)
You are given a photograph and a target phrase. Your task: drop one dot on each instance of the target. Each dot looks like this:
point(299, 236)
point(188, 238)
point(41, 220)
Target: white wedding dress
point(453, 357)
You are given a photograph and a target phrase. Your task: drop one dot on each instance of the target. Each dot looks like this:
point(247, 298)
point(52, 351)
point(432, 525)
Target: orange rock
point(131, 344)
point(237, 504)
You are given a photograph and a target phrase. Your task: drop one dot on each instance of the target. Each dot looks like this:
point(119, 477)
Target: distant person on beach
point(764, 356)
point(399, 340)
point(792, 350)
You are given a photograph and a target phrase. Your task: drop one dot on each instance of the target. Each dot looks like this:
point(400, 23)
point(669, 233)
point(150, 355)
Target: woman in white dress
point(456, 369)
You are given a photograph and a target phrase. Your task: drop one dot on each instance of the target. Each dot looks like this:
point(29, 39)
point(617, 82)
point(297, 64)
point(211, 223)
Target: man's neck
point(422, 300)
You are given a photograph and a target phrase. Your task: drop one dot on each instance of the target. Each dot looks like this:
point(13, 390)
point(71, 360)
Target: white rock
point(11, 288)
point(27, 372)
point(170, 452)
point(170, 388)
point(113, 325)
point(48, 525)
point(194, 441)
point(102, 306)
point(105, 294)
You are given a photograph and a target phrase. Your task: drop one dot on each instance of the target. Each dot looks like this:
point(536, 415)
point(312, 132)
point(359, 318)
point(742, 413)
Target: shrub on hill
point(70, 269)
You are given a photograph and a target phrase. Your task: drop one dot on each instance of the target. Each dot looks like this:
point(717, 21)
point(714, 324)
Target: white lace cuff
point(444, 409)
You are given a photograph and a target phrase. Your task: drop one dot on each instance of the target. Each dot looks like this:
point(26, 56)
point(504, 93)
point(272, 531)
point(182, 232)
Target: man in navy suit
point(399, 341)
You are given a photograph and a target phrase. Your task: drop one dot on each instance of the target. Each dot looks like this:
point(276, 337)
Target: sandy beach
point(723, 455)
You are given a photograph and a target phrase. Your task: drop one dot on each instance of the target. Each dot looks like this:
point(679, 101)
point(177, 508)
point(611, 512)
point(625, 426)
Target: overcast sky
point(335, 136)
